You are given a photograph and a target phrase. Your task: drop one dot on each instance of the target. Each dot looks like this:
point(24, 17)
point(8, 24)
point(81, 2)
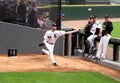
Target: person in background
point(58, 21)
point(103, 44)
point(41, 22)
point(4, 11)
point(33, 15)
point(21, 12)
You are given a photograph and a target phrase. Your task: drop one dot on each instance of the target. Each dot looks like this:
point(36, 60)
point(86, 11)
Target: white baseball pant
point(91, 39)
point(102, 47)
point(49, 52)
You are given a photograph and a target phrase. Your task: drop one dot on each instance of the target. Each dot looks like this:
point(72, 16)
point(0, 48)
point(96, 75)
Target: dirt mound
point(37, 62)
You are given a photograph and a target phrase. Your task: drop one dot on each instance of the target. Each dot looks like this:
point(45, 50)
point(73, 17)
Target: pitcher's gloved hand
point(41, 44)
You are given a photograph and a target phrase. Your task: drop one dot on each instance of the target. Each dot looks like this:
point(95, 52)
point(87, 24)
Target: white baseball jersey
point(96, 25)
point(51, 36)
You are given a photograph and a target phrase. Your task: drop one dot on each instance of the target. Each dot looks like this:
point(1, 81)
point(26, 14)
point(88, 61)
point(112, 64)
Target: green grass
point(116, 30)
point(54, 77)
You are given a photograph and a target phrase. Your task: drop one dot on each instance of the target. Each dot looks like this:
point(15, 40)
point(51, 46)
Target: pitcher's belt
point(50, 43)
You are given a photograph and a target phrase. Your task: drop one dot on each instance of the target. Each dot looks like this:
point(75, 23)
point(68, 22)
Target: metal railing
point(116, 43)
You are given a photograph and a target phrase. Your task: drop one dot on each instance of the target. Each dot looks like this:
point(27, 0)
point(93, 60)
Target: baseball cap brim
point(93, 17)
point(90, 17)
point(106, 16)
point(54, 25)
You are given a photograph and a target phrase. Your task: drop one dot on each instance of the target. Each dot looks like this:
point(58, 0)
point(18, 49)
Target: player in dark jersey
point(87, 33)
point(107, 26)
point(103, 44)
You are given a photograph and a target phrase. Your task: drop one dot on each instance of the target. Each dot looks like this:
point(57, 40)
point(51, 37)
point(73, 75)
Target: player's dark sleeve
point(110, 27)
point(87, 28)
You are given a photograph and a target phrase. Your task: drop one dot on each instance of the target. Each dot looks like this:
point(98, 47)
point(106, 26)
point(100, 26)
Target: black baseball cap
point(93, 17)
point(54, 24)
point(90, 17)
point(106, 16)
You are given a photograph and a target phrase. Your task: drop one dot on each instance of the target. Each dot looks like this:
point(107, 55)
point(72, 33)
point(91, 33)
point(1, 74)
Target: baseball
point(89, 9)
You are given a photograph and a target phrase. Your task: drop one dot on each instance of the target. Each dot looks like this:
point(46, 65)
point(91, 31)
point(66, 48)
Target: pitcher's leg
point(52, 56)
point(50, 52)
point(45, 51)
point(48, 46)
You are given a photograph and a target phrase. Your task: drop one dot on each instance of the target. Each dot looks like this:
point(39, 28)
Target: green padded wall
point(82, 12)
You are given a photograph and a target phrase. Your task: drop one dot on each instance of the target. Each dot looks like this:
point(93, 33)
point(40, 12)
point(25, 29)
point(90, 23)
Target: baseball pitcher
point(50, 38)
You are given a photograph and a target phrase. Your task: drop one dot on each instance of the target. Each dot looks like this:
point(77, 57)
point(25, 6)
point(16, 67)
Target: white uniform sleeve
point(98, 24)
point(60, 33)
point(46, 35)
point(93, 29)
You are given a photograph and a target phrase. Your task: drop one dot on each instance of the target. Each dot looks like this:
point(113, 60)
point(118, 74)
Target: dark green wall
point(76, 2)
point(81, 12)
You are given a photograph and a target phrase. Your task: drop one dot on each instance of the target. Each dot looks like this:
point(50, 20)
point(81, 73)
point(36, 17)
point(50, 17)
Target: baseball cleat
point(55, 64)
point(43, 53)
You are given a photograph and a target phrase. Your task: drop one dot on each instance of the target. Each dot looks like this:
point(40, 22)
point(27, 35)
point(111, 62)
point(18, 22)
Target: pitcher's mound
point(37, 62)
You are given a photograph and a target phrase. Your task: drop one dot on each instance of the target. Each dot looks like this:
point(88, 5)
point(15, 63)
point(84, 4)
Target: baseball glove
point(41, 44)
